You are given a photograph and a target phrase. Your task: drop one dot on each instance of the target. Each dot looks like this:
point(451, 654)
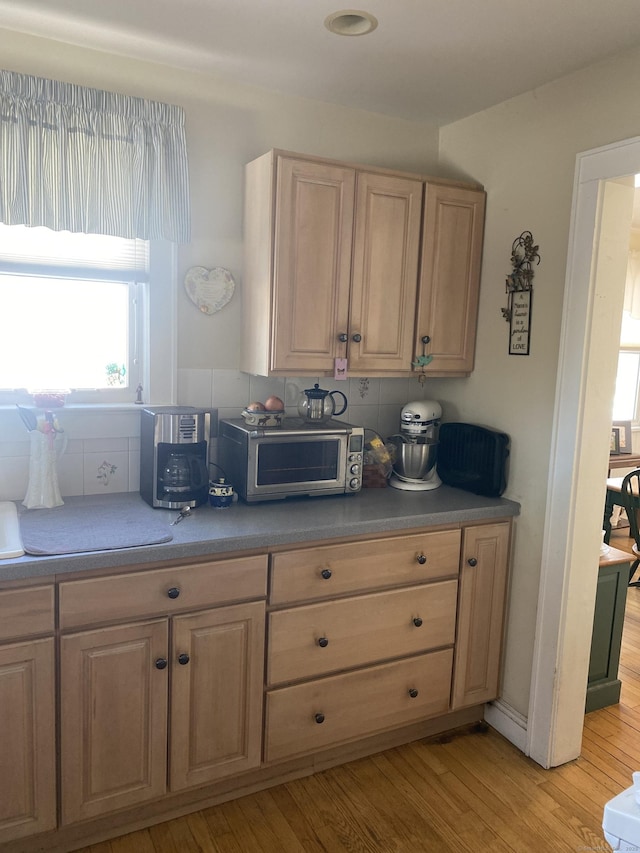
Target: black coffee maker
point(174, 448)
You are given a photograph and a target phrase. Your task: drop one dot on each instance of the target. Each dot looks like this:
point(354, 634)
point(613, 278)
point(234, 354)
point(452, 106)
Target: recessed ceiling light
point(350, 22)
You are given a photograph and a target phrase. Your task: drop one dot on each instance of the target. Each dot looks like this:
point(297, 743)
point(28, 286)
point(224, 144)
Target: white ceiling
point(428, 60)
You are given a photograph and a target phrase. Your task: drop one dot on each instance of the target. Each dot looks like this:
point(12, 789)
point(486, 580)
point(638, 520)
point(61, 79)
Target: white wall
point(227, 125)
point(524, 152)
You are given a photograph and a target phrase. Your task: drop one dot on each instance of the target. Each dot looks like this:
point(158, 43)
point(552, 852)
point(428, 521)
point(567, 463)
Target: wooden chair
point(630, 494)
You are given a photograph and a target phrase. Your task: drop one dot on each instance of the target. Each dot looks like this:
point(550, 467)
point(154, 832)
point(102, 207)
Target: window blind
point(42, 252)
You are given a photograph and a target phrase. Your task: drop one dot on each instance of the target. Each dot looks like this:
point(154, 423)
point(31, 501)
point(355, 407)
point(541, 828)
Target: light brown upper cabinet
point(331, 267)
point(450, 278)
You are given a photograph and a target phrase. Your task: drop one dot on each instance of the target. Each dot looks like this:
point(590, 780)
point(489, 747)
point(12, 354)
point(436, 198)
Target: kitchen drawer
point(330, 711)
point(26, 612)
point(140, 594)
point(316, 639)
point(331, 570)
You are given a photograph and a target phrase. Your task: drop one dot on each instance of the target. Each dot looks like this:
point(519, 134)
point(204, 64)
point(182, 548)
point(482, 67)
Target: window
point(626, 403)
point(76, 312)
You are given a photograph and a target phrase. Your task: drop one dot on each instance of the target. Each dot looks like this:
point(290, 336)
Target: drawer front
point(140, 594)
point(324, 713)
point(312, 573)
point(316, 639)
point(26, 612)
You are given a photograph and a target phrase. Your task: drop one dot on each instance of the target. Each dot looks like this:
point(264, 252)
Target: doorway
point(594, 293)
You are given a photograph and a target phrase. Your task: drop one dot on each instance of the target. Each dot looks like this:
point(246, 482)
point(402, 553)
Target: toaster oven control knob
point(355, 483)
point(472, 562)
point(326, 574)
point(355, 469)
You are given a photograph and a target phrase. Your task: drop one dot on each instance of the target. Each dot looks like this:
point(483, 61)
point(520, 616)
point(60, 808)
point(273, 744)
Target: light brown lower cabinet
point(307, 718)
point(27, 739)
point(190, 695)
point(483, 585)
point(120, 686)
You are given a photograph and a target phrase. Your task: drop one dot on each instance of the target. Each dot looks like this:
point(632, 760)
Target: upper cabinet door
point(385, 274)
point(450, 278)
point(312, 263)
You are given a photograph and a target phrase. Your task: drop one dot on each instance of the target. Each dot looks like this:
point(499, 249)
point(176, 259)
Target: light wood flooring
point(473, 792)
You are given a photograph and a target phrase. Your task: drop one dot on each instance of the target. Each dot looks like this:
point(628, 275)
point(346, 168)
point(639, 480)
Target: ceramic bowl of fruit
point(268, 414)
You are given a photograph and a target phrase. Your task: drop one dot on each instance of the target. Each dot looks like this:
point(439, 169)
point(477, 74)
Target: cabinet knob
point(356, 338)
point(183, 659)
point(472, 561)
point(343, 337)
point(174, 592)
point(326, 574)
point(425, 339)
point(413, 692)
point(417, 621)
point(421, 559)
point(323, 642)
point(161, 663)
point(319, 718)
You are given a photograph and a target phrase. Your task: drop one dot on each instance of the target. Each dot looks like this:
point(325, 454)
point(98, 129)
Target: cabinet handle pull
point(343, 337)
point(319, 718)
point(417, 621)
point(472, 561)
point(413, 692)
point(161, 663)
point(326, 574)
point(356, 338)
point(421, 559)
point(323, 642)
point(174, 592)
point(183, 659)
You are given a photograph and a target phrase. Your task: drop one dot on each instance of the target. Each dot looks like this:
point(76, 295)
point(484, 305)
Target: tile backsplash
point(100, 449)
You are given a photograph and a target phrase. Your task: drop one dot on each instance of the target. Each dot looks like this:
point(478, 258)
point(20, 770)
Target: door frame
point(578, 462)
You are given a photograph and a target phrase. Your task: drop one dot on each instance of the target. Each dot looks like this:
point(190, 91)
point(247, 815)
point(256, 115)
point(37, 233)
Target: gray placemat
point(72, 529)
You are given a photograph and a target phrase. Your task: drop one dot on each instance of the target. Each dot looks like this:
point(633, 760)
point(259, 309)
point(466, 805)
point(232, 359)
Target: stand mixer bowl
point(414, 459)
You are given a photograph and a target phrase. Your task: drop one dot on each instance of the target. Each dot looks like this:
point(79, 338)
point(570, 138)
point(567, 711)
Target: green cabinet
point(603, 687)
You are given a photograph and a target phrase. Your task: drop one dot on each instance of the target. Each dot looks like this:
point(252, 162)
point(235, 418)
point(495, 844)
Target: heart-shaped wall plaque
point(209, 290)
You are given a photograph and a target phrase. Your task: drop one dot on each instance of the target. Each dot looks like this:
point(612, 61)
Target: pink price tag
point(340, 368)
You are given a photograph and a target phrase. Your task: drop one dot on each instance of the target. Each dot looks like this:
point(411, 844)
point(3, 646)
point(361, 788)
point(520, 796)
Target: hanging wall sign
point(519, 287)
point(209, 290)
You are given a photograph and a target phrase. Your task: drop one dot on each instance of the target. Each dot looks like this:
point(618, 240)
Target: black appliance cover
point(473, 458)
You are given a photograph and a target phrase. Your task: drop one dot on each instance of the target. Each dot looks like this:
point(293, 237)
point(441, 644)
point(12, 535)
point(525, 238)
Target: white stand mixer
point(414, 468)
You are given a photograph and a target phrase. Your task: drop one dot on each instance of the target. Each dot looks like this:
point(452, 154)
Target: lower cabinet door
point(216, 694)
point(481, 606)
point(27, 739)
point(330, 711)
point(113, 718)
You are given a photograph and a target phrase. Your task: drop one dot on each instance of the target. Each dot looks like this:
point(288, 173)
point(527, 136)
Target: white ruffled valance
point(84, 160)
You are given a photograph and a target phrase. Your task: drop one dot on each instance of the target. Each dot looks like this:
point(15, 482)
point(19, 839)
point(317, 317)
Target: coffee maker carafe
point(179, 474)
point(174, 446)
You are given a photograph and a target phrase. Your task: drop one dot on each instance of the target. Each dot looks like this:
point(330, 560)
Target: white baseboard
point(509, 722)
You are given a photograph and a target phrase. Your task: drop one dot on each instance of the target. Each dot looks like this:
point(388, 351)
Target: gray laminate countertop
point(241, 527)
